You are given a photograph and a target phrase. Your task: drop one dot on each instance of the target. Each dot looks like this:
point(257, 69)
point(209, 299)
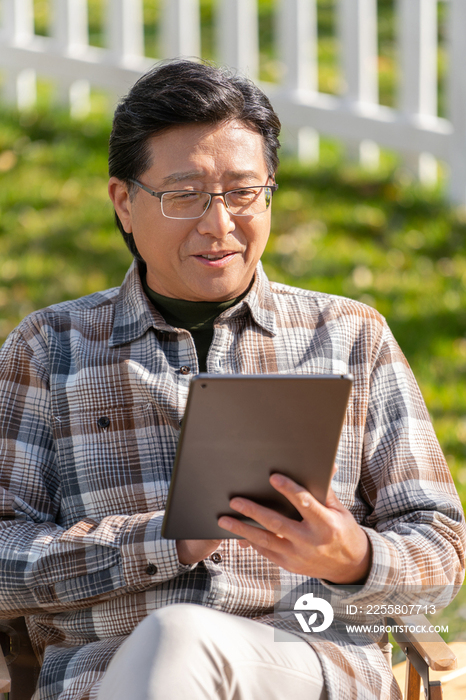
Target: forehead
point(207, 150)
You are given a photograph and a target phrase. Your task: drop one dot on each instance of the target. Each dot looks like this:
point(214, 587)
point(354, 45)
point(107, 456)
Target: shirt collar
point(259, 302)
point(134, 314)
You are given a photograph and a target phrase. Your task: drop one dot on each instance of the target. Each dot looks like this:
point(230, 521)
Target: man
point(92, 395)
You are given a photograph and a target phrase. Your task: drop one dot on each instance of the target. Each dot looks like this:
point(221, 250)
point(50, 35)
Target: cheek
point(147, 227)
point(258, 235)
point(138, 222)
point(165, 245)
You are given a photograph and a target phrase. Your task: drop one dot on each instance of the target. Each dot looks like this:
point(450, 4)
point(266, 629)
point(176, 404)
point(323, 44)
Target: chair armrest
point(5, 680)
point(22, 665)
point(435, 652)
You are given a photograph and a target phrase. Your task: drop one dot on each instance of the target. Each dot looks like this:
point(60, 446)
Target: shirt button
point(216, 557)
point(184, 369)
point(103, 422)
point(151, 569)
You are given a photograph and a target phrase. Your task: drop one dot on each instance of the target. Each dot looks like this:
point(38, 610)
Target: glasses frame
point(159, 195)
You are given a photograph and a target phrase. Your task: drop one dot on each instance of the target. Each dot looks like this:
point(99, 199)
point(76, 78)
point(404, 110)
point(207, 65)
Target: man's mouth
point(218, 256)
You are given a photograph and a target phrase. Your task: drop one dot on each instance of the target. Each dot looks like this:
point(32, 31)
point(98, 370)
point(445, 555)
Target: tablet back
point(237, 431)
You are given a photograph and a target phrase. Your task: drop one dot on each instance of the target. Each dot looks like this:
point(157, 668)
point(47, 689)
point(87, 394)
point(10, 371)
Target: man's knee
point(181, 615)
point(183, 624)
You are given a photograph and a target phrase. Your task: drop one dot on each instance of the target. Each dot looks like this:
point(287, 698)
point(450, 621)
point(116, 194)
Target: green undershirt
point(197, 317)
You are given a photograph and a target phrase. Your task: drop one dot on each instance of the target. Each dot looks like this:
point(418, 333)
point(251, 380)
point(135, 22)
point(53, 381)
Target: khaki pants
point(189, 652)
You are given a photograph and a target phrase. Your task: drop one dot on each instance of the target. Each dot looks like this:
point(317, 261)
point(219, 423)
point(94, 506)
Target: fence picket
point(297, 51)
point(181, 34)
point(357, 28)
point(125, 29)
point(70, 25)
point(238, 35)
point(417, 21)
point(457, 101)
point(19, 85)
point(18, 20)
point(71, 36)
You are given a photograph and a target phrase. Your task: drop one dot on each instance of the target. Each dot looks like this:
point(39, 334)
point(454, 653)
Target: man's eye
point(245, 195)
point(183, 196)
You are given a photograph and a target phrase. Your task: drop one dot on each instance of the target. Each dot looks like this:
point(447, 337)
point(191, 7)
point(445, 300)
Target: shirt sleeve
point(42, 565)
point(415, 521)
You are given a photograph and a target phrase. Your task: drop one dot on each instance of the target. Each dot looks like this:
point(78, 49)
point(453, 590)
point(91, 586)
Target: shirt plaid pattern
point(91, 398)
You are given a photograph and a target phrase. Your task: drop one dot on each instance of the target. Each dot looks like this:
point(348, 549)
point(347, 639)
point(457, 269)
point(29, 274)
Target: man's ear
point(118, 193)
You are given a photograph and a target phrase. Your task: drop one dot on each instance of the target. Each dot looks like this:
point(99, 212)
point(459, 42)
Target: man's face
point(198, 157)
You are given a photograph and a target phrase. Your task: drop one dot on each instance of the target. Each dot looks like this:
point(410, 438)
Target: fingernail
point(225, 523)
point(236, 504)
point(278, 480)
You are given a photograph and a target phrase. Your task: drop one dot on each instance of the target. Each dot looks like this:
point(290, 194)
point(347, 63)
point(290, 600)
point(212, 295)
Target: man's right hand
point(193, 551)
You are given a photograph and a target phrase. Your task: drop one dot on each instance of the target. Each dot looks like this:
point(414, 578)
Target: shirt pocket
point(114, 461)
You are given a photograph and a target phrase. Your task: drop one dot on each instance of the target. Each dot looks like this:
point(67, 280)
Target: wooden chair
point(19, 667)
point(422, 656)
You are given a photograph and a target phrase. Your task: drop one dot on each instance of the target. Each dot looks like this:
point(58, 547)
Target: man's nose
point(217, 220)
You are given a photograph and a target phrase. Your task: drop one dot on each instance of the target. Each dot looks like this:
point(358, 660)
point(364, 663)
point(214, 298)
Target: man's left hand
point(328, 543)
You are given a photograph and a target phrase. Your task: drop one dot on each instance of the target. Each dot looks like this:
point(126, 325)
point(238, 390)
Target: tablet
point(238, 430)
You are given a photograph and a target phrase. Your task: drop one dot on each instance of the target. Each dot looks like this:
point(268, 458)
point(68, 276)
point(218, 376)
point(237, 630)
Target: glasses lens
point(249, 201)
point(184, 204)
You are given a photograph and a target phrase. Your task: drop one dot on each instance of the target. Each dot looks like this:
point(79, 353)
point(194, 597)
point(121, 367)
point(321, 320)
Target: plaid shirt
point(91, 399)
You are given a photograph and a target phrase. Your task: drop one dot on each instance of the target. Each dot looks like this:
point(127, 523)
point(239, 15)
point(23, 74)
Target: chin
point(219, 293)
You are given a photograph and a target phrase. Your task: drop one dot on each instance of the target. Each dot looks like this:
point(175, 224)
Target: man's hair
point(183, 92)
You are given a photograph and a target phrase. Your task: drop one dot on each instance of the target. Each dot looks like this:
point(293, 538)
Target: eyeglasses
point(191, 204)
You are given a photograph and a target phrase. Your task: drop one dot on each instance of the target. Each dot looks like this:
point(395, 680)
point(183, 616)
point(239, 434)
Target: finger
point(237, 527)
point(304, 502)
point(275, 557)
point(231, 524)
point(255, 536)
point(282, 559)
point(268, 518)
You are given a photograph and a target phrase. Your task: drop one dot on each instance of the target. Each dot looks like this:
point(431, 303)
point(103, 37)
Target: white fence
point(413, 128)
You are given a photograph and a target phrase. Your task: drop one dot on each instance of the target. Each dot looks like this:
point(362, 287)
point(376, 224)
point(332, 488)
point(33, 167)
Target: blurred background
point(371, 205)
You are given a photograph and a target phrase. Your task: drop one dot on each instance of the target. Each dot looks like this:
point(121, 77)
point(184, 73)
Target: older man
point(92, 393)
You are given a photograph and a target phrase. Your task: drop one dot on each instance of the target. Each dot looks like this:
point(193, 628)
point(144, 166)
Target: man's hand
point(193, 551)
point(328, 543)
